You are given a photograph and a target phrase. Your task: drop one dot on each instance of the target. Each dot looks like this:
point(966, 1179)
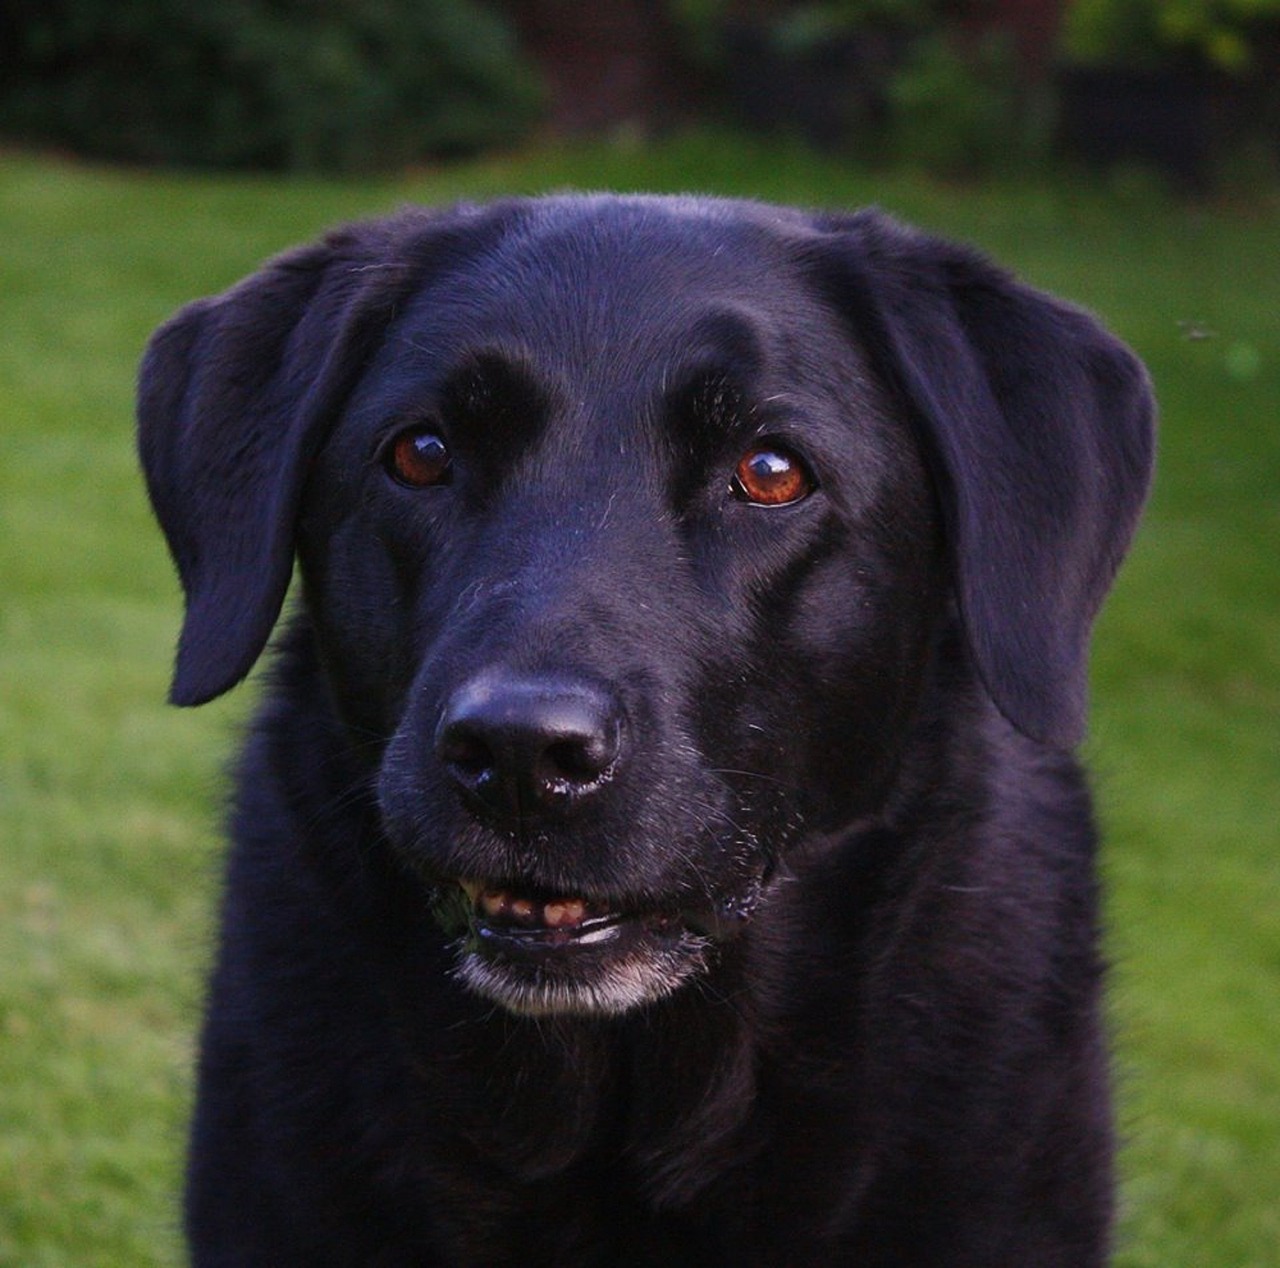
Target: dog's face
point(626, 531)
point(623, 549)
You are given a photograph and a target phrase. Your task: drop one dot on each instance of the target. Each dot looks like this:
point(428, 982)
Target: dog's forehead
point(642, 251)
point(585, 284)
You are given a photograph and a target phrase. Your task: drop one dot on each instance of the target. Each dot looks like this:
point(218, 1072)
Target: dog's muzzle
point(525, 750)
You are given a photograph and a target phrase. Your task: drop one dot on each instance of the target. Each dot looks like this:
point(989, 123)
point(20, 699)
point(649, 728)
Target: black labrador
point(660, 842)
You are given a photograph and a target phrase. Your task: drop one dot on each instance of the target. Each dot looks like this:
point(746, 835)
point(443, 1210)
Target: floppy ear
point(235, 395)
point(1039, 429)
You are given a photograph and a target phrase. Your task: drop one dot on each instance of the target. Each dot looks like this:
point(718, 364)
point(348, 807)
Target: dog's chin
point(570, 983)
point(542, 956)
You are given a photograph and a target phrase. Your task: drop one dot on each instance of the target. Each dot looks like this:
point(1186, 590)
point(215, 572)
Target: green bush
point(961, 111)
point(336, 85)
point(1153, 33)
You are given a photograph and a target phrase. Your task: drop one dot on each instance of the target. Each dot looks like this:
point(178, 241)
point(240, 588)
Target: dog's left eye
point(771, 475)
point(419, 458)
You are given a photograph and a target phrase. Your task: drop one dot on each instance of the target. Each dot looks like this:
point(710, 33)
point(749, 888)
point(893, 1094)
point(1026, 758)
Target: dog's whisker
point(748, 774)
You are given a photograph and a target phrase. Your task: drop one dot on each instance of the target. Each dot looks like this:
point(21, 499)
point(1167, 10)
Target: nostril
point(567, 758)
point(465, 751)
point(580, 759)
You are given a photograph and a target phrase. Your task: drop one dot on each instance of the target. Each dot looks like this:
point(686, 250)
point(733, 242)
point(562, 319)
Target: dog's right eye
point(419, 458)
point(771, 475)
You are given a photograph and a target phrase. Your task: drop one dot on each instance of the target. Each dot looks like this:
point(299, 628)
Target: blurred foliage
point(807, 26)
point(913, 80)
point(331, 85)
point(961, 109)
point(795, 29)
point(1152, 33)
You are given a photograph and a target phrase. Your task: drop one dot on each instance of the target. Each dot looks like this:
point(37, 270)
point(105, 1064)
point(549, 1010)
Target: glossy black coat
point(838, 739)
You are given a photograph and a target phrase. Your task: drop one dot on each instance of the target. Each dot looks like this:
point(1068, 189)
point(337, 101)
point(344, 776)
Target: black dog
point(660, 842)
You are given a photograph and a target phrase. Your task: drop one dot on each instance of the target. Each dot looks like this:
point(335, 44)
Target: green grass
point(109, 800)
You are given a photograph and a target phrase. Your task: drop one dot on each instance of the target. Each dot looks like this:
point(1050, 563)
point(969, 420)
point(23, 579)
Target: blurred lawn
point(109, 800)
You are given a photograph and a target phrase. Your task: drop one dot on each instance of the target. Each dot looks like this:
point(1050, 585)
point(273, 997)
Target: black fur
point(813, 759)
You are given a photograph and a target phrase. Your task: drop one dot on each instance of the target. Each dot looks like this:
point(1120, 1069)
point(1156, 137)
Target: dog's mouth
point(539, 953)
point(529, 919)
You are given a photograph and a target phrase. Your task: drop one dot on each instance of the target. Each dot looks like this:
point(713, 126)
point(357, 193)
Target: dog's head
point(626, 530)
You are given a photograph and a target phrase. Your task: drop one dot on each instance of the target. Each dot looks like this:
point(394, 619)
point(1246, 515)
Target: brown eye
point(418, 458)
point(770, 476)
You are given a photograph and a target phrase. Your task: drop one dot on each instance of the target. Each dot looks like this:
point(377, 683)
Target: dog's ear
point(1039, 429)
point(235, 394)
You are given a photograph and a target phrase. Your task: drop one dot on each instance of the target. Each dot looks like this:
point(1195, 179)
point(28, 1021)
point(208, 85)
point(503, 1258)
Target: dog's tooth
point(494, 902)
point(564, 912)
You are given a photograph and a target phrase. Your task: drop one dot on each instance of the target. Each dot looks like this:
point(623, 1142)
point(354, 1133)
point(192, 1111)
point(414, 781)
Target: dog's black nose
point(528, 746)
